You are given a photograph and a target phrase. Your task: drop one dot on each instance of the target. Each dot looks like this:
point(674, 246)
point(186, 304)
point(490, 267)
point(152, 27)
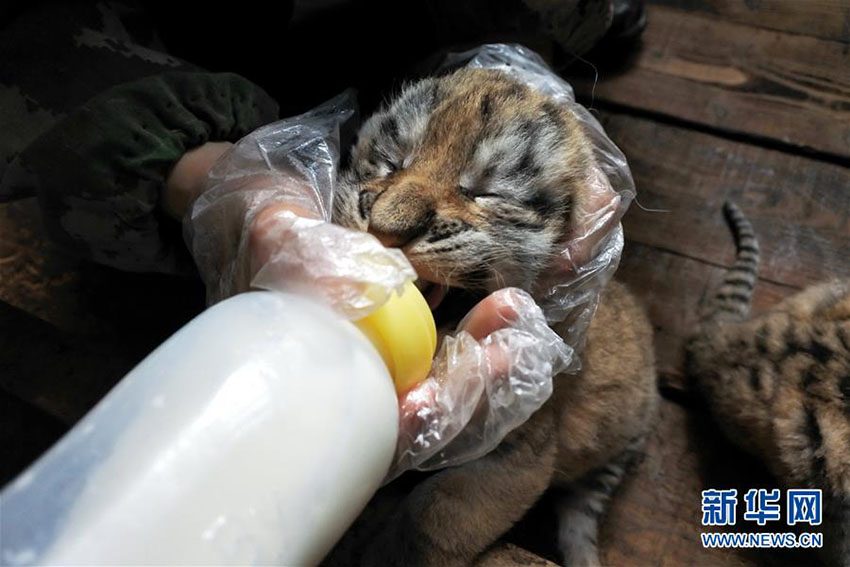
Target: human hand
point(292, 249)
point(263, 220)
point(485, 380)
point(187, 178)
point(289, 247)
point(596, 215)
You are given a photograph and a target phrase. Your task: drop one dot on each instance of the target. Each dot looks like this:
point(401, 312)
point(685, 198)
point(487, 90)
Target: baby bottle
point(254, 435)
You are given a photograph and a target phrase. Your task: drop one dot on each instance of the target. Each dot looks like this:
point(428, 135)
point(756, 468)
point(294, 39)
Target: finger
point(499, 361)
point(495, 362)
point(186, 179)
point(268, 214)
point(263, 240)
point(599, 196)
point(414, 404)
point(494, 312)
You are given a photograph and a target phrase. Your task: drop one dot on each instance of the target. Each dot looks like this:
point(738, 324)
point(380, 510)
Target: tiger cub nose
point(400, 214)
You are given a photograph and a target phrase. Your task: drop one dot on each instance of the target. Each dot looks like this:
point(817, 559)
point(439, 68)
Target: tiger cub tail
point(732, 300)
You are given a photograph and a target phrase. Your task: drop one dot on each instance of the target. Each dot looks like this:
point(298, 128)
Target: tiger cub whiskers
point(478, 178)
point(475, 176)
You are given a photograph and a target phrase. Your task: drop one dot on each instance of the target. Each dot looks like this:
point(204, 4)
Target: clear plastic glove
point(486, 380)
point(264, 221)
point(568, 291)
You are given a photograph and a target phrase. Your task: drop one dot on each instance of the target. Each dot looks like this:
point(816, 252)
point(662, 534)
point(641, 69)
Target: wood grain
point(672, 287)
point(785, 87)
point(68, 330)
point(767, 70)
point(825, 19)
point(654, 518)
point(799, 207)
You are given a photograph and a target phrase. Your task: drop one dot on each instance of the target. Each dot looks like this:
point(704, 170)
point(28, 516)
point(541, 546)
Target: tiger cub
point(779, 384)
point(477, 178)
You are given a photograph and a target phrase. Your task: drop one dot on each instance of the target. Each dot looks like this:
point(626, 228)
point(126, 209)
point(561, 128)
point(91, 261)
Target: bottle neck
point(405, 336)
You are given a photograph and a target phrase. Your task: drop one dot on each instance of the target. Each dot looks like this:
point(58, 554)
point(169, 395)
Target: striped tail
point(732, 300)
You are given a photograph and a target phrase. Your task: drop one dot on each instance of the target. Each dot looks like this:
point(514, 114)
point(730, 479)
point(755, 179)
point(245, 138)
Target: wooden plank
point(673, 287)
point(826, 19)
point(655, 516)
point(789, 88)
point(800, 207)
point(39, 279)
point(69, 330)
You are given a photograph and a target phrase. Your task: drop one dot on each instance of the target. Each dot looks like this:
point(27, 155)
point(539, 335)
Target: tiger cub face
point(473, 175)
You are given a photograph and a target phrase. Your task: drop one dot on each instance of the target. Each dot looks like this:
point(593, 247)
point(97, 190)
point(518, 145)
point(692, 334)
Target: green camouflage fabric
point(92, 118)
point(101, 169)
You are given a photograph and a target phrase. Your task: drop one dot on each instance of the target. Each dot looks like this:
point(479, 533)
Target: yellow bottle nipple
point(404, 334)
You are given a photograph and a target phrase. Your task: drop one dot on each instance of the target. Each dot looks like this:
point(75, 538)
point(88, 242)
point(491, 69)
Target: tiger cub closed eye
point(779, 384)
point(473, 175)
point(477, 178)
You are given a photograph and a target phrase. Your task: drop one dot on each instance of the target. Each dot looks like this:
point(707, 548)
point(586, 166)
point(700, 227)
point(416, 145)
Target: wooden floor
point(748, 101)
point(722, 99)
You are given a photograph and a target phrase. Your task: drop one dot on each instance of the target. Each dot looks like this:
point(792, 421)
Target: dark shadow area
point(26, 433)
point(724, 466)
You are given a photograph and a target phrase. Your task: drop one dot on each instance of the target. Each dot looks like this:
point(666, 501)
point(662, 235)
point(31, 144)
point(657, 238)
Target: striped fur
point(582, 442)
point(474, 175)
point(581, 505)
point(779, 384)
point(732, 300)
point(477, 178)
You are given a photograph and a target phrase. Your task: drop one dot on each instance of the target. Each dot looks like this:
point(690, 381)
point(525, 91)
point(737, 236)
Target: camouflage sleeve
point(99, 171)
point(94, 111)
